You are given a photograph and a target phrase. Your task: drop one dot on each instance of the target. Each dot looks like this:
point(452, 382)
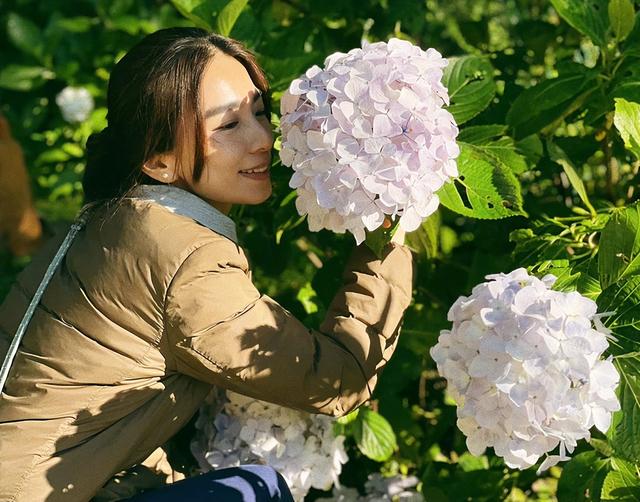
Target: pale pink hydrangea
point(367, 136)
point(235, 429)
point(524, 363)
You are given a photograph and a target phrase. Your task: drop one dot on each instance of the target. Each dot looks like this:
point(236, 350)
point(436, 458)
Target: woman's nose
point(262, 136)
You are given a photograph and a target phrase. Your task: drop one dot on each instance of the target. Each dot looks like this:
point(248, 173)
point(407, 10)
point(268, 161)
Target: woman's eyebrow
point(217, 110)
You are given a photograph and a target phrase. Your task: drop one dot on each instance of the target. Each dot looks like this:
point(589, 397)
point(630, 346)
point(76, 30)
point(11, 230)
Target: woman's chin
point(265, 197)
point(256, 198)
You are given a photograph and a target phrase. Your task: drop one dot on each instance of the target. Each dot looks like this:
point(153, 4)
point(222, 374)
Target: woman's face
point(238, 138)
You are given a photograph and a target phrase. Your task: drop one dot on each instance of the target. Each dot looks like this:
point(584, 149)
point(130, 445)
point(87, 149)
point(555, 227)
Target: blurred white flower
point(367, 136)
point(379, 489)
point(236, 430)
point(524, 364)
point(76, 104)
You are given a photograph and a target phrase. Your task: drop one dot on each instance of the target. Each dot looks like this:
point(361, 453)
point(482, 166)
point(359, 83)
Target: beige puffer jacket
point(148, 310)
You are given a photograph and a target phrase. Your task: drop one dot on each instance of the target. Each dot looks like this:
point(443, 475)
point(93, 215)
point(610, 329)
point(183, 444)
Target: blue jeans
point(247, 483)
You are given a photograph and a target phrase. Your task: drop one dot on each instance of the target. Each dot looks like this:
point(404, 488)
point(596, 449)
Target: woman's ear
point(161, 167)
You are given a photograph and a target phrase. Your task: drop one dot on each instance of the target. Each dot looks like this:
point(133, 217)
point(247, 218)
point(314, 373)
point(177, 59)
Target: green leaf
point(626, 83)
point(25, 35)
point(560, 157)
point(425, 239)
point(131, 24)
point(374, 436)
point(491, 140)
point(24, 78)
point(623, 297)
point(286, 216)
point(485, 188)
point(379, 238)
point(550, 100)
point(469, 80)
point(601, 446)
point(469, 462)
point(73, 149)
point(588, 17)
point(79, 24)
point(627, 121)
point(532, 148)
point(619, 253)
point(480, 135)
point(503, 151)
point(229, 15)
point(621, 17)
point(622, 484)
point(632, 43)
point(348, 418)
point(582, 478)
point(52, 156)
point(199, 12)
point(444, 482)
point(623, 436)
point(283, 70)
point(306, 296)
point(582, 278)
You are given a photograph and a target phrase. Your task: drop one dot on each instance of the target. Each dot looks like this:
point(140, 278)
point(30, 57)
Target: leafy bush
point(548, 98)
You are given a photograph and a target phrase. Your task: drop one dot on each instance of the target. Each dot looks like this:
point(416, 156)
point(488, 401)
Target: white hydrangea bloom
point(242, 430)
point(379, 489)
point(524, 364)
point(367, 136)
point(76, 104)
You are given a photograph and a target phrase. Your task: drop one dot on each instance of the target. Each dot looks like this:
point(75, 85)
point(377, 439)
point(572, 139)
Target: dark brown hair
point(152, 102)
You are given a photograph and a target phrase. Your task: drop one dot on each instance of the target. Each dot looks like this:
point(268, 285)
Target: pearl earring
point(165, 175)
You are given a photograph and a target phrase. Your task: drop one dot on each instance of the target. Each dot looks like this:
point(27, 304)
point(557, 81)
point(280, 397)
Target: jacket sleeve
point(223, 331)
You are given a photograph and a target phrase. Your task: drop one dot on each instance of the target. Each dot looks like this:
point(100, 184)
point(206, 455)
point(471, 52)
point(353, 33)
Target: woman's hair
point(152, 103)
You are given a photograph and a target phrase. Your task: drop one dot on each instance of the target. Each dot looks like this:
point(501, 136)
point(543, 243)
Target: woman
point(153, 303)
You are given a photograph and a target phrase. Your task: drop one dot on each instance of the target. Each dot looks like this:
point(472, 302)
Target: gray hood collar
point(185, 203)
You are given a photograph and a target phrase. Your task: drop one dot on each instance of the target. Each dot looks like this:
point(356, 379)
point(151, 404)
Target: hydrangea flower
point(379, 489)
point(236, 430)
point(367, 136)
point(75, 104)
point(524, 364)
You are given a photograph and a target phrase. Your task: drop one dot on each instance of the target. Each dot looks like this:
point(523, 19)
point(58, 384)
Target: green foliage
point(486, 187)
point(373, 435)
point(582, 478)
point(543, 104)
point(623, 436)
point(622, 484)
point(620, 249)
point(547, 97)
point(379, 238)
point(559, 156)
point(621, 17)
point(426, 239)
point(589, 18)
point(229, 15)
point(25, 35)
point(469, 80)
point(627, 121)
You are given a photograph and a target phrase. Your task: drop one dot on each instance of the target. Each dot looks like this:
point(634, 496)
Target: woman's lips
point(263, 171)
point(265, 175)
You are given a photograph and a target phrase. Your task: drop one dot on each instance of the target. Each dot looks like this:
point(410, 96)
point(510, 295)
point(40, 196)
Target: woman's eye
point(232, 125)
